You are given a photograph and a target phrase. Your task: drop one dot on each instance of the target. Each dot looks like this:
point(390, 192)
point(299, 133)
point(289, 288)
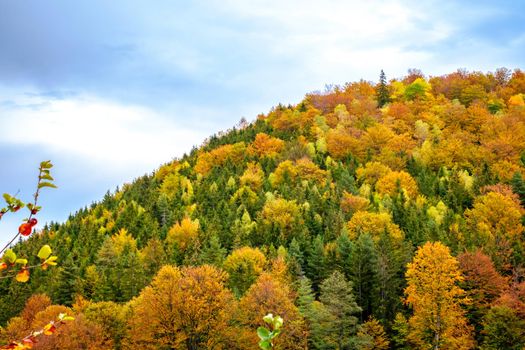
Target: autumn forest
point(383, 215)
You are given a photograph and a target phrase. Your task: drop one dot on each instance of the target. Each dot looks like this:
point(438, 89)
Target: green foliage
point(267, 336)
point(336, 323)
point(503, 329)
point(351, 181)
point(383, 95)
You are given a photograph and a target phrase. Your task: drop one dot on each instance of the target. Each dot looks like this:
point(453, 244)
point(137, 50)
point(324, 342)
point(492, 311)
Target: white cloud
point(118, 138)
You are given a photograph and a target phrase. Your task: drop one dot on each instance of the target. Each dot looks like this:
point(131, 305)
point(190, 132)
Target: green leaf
point(265, 344)
point(46, 184)
point(21, 261)
point(8, 198)
point(44, 252)
point(46, 164)
point(46, 176)
point(263, 333)
point(9, 256)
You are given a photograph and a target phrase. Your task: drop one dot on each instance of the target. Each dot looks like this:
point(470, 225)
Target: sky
point(110, 90)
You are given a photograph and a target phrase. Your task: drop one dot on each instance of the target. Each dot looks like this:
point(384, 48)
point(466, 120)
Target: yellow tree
point(394, 181)
point(374, 224)
point(183, 233)
point(253, 176)
point(495, 222)
point(373, 336)
point(244, 265)
point(266, 146)
point(281, 218)
point(269, 295)
point(185, 308)
point(438, 322)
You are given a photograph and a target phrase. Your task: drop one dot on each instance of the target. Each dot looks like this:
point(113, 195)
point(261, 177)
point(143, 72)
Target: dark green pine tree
point(305, 297)
point(345, 249)
point(315, 317)
point(383, 96)
point(213, 253)
point(295, 258)
point(518, 186)
point(364, 275)
point(67, 282)
point(503, 329)
point(339, 302)
point(391, 261)
point(131, 274)
point(316, 263)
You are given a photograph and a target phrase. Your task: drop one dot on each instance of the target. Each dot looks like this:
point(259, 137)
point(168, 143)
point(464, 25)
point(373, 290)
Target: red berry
point(33, 222)
point(25, 229)
point(34, 211)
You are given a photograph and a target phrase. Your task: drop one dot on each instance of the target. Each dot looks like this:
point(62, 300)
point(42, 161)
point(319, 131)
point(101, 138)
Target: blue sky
point(109, 90)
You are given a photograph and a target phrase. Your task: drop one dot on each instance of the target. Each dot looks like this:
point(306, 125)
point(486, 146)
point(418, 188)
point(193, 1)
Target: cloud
point(118, 138)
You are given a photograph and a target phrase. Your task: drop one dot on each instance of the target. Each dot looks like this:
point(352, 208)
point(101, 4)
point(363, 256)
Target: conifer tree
point(383, 96)
point(518, 186)
point(503, 329)
point(338, 299)
point(213, 253)
point(316, 271)
point(363, 274)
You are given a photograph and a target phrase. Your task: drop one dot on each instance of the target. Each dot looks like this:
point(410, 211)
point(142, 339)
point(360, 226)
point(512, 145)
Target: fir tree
point(213, 253)
point(338, 299)
point(363, 274)
point(518, 186)
point(383, 96)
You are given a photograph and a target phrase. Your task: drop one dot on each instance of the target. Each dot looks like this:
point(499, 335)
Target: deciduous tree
point(438, 322)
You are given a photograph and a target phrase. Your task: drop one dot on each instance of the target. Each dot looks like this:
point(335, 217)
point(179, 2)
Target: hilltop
point(309, 203)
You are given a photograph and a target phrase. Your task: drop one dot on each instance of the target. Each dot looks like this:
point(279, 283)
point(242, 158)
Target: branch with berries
point(32, 339)
point(10, 264)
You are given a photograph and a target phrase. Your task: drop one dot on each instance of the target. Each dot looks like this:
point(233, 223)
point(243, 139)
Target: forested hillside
point(368, 216)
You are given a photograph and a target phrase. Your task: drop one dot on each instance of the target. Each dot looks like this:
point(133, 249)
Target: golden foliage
point(122, 240)
point(438, 320)
point(395, 180)
point(373, 333)
point(504, 170)
point(351, 204)
point(341, 143)
point(174, 184)
point(495, 216)
point(281, 213)
point(182, 308)
point(374, 224)
point(265, 145)
point(269, 295)
point(253, 176)
point(372, 172)
point(218, 157)
point(246, 259)
point(301, 169)
point(183, 233)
